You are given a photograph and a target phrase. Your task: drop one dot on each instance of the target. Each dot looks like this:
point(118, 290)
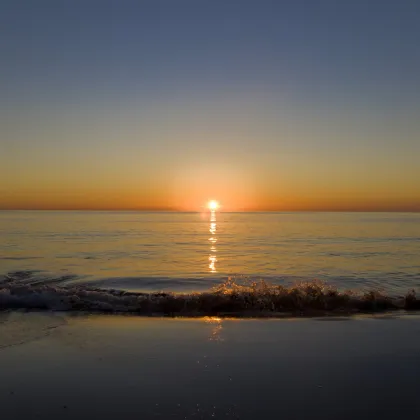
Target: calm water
point(193, 251)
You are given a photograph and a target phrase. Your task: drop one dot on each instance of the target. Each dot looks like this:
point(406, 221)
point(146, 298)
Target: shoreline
point(246, 316)
point(246, 300)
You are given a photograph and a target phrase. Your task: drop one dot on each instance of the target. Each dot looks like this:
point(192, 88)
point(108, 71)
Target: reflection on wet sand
point(217, 327)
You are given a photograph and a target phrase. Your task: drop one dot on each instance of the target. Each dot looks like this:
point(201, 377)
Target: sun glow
point(213, 205)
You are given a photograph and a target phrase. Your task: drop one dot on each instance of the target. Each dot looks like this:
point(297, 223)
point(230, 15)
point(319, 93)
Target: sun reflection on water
point(213, 240)
point(212, 228)
point(212, 265)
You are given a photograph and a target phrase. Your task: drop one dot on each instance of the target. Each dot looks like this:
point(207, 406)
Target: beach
point(209, 210)
point(57, 365)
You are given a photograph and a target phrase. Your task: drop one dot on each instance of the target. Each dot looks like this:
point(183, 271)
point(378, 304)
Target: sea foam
point(247, 299)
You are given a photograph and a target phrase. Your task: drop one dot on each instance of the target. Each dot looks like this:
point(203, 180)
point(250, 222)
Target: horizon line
point(219, 211)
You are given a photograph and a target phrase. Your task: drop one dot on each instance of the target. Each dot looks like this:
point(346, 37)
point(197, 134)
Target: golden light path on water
point(213, 240)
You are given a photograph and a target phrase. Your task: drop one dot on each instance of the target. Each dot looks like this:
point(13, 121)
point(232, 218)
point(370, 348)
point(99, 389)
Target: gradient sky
point(262, 105)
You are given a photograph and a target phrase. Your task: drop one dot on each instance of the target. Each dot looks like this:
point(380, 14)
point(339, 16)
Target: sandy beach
point(61, 366)
point(209, 210)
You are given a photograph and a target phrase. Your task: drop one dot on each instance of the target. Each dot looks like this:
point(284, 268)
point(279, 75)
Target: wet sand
point(56, 366)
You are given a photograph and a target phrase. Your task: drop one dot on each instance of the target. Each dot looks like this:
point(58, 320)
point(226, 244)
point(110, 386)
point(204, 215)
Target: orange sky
point(121, 174)
point(191, 192)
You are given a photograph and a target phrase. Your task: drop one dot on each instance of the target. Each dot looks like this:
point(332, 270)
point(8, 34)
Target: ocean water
point(185, 252)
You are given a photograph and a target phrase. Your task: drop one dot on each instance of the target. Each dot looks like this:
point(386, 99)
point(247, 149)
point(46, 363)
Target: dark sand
point(119, 367)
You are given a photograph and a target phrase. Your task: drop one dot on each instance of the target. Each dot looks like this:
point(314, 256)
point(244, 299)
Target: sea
point(194, 252)
point(82, 334)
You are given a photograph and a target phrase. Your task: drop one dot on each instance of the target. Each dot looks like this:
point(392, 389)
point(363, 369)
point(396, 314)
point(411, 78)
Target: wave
point(136, 284)
point(19, 290)
point(19, 258)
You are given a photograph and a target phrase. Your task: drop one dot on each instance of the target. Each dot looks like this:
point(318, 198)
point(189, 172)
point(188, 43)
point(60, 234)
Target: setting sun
point(213, 205)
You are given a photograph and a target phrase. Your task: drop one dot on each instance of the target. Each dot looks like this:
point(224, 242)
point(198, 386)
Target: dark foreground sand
point(119, 367)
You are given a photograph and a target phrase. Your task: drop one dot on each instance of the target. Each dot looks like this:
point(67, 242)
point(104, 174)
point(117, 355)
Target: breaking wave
point(20, 290)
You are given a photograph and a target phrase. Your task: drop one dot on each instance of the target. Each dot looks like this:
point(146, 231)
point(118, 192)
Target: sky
point(166, 104)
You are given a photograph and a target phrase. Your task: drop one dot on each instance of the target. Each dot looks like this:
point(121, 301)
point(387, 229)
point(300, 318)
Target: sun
point(213, 205)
